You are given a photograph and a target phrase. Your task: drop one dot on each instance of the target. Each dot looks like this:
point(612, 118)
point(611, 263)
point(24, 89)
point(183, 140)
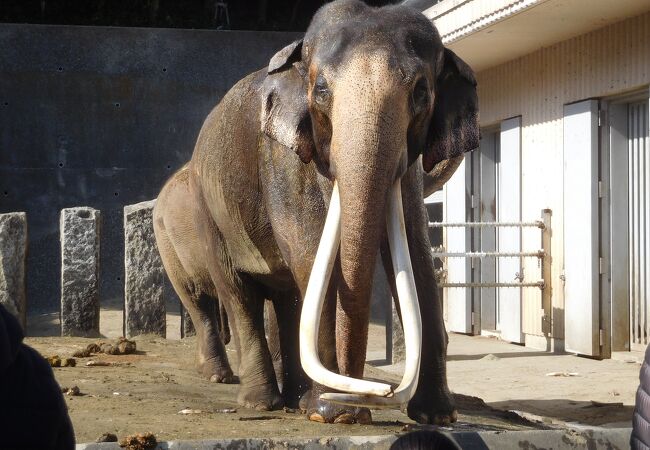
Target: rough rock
point(13, 252)
point(187, 326)
point(144, 303)
point(399, 349)
point(80, 237)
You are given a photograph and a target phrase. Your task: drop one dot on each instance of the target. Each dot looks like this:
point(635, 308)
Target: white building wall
point(605, 62)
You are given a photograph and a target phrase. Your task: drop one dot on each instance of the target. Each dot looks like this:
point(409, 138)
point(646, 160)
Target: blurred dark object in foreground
point(425, 440)
point(33, 413)
point(640, 438)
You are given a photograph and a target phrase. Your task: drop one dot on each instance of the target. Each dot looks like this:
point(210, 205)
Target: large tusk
point(408, 302)
point(313, 305)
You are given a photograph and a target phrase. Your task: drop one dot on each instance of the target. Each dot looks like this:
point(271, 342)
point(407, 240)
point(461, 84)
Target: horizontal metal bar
point(537, 224)
point(537, 284)
point(537, 254)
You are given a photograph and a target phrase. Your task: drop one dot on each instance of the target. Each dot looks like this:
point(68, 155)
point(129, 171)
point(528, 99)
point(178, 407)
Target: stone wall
point(102, 116)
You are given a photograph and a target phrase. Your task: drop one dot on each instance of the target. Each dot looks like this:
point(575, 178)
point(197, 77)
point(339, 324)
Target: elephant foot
point(216, 371)
point(431, 409)
point(293, 391)
point(261, 398)
point(326, 412)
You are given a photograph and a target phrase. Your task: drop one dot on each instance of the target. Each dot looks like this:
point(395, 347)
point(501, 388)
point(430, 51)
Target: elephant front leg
point(432, 402)
point(321, 410)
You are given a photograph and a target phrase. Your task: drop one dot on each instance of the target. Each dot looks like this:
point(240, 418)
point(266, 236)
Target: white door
point(639, 222)
point(509, 238)
point(581, 256)
point(458, 300)
point(487, 203)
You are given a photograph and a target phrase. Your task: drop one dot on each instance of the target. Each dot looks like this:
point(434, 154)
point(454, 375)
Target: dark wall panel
point(101, 117)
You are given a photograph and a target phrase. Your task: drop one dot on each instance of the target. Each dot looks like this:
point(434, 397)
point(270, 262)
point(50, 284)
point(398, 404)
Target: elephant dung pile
point(57, 361)
point(121, 346)
point(139, 441)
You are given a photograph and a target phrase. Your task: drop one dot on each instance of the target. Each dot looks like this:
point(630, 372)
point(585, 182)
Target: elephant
point(302, 174)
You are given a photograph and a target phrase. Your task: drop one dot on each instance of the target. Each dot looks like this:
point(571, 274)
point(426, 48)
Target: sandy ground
point(146, 391)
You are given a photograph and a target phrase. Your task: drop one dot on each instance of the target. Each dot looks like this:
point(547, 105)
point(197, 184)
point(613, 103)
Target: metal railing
point(542, 254)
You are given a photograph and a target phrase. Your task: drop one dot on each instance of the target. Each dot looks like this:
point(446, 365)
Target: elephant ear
point(454, 127)
point(285, 57)
point(285, 117)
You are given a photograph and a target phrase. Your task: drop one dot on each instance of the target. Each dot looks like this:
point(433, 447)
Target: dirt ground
point(498, 386)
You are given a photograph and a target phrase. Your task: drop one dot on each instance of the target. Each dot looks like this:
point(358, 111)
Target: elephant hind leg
point(243, 298)
point(244, 302)
point(198, 295)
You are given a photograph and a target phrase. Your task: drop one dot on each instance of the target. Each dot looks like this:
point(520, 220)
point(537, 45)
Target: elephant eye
point(321, 92)
point(420, 95)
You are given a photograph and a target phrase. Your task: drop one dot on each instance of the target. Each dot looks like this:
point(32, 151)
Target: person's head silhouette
point(425, 440)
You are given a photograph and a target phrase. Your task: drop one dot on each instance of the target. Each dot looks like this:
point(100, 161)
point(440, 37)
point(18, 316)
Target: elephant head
point(363, 96)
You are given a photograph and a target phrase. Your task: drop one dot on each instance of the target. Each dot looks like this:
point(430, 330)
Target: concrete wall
point(101, 117)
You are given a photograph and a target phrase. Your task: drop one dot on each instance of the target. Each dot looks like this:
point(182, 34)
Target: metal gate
point(639, 221)
point(514, 280)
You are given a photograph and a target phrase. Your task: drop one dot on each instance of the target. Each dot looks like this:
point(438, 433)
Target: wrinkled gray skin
point(366, 94)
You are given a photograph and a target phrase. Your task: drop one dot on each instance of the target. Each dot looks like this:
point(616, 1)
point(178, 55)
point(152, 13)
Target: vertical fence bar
point(642, 118)
point(547, 318)
point(631, 235)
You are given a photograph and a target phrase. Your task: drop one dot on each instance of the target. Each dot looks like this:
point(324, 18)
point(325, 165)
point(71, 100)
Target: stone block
point(144, 302)
point(13, 254)
point(80, 236)
point(187, 326)
point(399, 350)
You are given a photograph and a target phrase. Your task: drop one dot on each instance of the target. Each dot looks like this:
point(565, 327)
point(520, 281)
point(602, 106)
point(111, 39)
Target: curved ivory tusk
point(313, 305)
point(408, 302)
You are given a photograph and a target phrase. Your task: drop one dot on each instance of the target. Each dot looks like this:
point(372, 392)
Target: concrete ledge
point(592, 439)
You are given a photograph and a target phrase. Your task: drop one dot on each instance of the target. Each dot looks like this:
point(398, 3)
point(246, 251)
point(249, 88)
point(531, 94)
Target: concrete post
point(13, 253)
point(144, 302)
point(399, 350)
point(187, 326)
point(80, 237)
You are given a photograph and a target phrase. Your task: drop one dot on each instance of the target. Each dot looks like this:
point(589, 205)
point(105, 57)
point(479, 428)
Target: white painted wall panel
point(581, 289)
point(509, 239)
point(458, 300)
point(488, 177)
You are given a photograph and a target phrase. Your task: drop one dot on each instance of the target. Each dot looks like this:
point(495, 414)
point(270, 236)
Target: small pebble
point(93, 363)
point(190, 411)
point(74, 390)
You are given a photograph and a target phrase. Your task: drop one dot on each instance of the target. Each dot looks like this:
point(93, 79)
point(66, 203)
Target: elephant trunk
point(363, 204)
point(367, 152)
